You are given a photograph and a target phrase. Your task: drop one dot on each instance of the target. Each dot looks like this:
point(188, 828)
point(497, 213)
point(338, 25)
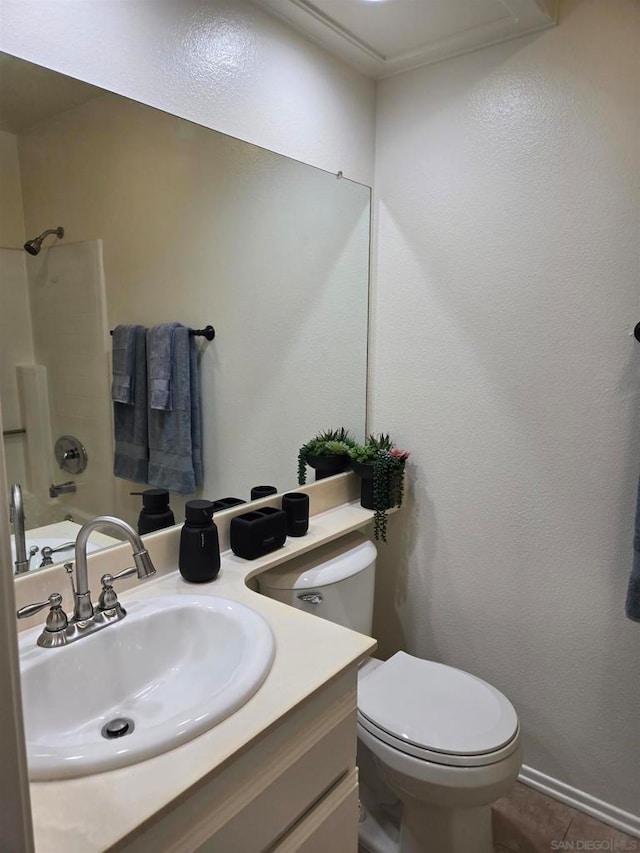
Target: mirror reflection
point(114, 213)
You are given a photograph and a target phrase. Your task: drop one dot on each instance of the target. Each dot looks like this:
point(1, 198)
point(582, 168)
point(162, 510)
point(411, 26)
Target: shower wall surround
point(54, 376)
point(68, 315)
point(16, 347)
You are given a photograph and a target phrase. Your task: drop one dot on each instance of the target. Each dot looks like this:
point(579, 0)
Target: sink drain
point(118, 727)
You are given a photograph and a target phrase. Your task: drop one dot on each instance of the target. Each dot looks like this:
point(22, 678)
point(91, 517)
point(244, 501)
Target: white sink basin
point(176, 666)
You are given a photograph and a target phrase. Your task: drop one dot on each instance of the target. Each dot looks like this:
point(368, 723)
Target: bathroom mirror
point(165, 220)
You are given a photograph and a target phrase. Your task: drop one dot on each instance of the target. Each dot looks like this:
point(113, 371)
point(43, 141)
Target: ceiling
point(384, 37)
point(30, 94)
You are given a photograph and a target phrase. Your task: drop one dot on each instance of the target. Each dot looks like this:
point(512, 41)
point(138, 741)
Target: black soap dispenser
point(199, 559)
point(156, 512)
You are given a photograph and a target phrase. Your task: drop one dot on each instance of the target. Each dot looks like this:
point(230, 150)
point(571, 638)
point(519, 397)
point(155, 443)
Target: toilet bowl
point(446, 744)
point(436, 745)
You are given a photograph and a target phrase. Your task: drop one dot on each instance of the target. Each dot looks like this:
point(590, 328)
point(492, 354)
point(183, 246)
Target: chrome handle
point(108, 597)
point(314, 598)
point(55, 628)
point(108, 580)
point(47, 553)
point(54, 600)
point(64, 547)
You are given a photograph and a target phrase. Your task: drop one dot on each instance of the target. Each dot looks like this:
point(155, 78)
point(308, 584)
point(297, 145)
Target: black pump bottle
point(156, 512)
point(199, 559)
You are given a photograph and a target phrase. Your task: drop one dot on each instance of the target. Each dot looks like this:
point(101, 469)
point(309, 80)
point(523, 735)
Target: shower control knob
point(70, 454)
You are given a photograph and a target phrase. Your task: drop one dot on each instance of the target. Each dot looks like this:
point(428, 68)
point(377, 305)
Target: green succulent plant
point(330, 442)
point(388, 465)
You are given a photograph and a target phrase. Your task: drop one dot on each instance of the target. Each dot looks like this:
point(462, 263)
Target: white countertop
point(91, 813)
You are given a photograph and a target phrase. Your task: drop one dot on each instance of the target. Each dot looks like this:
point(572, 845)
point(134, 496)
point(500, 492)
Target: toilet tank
point(334, 582)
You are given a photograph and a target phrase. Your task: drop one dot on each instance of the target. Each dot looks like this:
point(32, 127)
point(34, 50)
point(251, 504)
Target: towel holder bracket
point(208, 332)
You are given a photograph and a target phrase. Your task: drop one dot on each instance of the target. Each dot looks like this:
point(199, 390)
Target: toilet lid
point(431, 706)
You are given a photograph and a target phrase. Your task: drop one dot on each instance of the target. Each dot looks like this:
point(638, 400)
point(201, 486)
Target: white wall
point(11, 213)
point(223, 63)
point(508, 221)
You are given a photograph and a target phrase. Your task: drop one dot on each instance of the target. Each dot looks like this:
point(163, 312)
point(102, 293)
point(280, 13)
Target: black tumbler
point(258, 492)
point(296, 508)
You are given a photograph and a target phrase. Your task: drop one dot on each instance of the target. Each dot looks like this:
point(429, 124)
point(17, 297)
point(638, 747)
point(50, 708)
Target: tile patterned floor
point(527, 821)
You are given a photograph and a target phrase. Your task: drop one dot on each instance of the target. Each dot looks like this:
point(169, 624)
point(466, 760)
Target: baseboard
point(624, 821)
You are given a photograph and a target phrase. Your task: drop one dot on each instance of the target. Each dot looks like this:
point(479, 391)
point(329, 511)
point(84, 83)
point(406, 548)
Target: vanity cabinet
point(292, 790)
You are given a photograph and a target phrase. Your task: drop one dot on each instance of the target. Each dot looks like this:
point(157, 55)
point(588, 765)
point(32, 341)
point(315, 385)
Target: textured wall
point(223, 63)
point(508, 221)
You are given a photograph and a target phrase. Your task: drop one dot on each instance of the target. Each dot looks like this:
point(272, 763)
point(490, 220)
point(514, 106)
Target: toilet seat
point(437, 713)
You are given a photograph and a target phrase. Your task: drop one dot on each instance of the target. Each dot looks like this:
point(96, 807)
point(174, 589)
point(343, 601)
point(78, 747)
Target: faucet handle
point(108, 597)
point(107, 580)
point(57, 618)
point(55, 631)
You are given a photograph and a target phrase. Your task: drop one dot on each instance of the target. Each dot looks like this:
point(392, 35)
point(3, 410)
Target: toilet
point(436, 745)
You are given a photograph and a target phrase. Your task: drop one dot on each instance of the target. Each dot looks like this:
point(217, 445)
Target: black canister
point(259, 492)
point(156, 512)
point(199, 559)
point(296, 508)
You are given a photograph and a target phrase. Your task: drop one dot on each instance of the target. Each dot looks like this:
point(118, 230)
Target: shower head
point(33, 246)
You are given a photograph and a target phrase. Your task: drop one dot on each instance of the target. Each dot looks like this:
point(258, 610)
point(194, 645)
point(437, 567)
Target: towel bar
point(208, 332)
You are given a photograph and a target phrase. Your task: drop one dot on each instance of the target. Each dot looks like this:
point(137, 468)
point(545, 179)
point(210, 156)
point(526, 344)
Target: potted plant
point(328, 453)
point(380, 466)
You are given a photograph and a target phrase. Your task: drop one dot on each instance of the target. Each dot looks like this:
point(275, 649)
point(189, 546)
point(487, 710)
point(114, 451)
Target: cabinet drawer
point(331, 825)
point(263, 792)
point(290, 796)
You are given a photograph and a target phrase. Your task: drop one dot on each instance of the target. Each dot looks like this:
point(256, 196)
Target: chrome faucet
point(16, 517)
point(58, 630)
point(82, 596)
point(57, 489)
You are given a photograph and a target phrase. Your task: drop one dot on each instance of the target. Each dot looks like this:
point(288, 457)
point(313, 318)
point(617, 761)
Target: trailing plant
point(388, 463)
point(331, 442)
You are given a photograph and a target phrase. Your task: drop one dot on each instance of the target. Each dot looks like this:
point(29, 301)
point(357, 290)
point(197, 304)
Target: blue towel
point(123, 364)
point(175, 452)
point(196, 415)
point(130, 421)
point(632, 606)
point(160, 343)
